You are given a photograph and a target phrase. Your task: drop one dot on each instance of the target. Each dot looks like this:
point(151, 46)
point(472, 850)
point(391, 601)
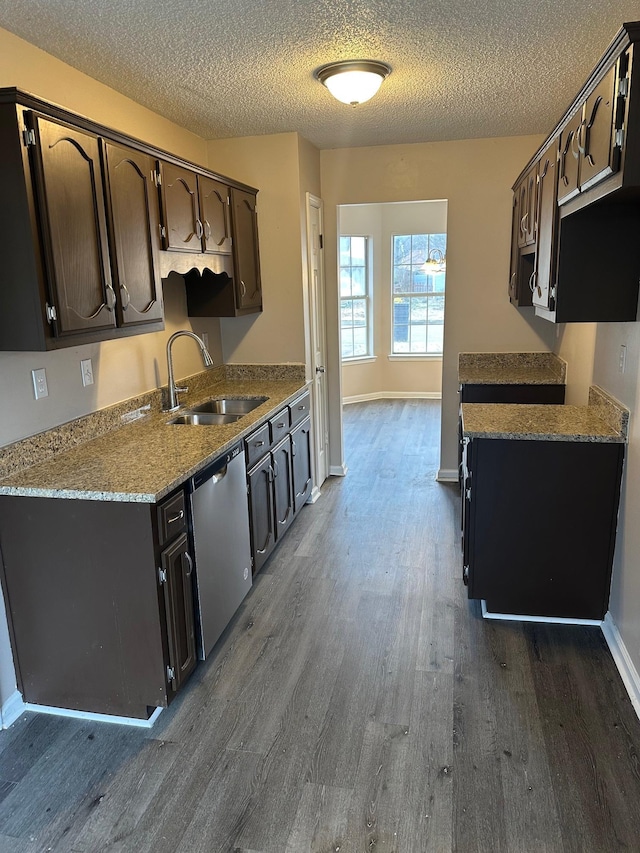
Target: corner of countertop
point(610, 410)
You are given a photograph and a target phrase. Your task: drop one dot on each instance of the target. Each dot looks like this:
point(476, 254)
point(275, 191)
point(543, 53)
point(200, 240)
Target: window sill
point(365, 359)
point(419, 356)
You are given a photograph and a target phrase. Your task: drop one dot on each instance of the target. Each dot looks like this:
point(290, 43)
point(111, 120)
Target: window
point(419, 271)
point(354, 297)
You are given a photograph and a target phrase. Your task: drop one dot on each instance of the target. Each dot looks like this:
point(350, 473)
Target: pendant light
point(353, 81)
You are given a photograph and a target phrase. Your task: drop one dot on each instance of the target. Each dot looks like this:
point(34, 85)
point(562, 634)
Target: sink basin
point(204, 419)
point(230, 406)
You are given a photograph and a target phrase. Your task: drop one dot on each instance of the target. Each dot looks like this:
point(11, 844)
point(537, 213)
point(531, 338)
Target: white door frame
point(315, 327)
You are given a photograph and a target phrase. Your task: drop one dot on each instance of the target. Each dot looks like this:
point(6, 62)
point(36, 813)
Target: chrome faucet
point(173, 403)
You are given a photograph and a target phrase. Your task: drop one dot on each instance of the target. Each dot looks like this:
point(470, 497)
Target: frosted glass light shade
point(355, 81)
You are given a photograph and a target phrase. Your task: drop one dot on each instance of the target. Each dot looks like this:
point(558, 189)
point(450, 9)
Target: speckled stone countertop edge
point(507, 368)
point(194, 447)
point(541, 422)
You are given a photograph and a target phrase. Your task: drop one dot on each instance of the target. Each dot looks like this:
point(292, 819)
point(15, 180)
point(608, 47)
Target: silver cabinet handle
point(320, 369)
point(111, 298)
point(177, 517)
point(275, 468)
point(280, 425)
point(207, 230)
point(258, 443)
point(190, 562)
point(199, 229)
point(532, 286)
point(125, 292)
point(243, 288)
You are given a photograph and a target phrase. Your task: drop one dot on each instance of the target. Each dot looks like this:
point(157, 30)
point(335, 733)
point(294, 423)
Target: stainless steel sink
point(230, 405)
point(204, 419)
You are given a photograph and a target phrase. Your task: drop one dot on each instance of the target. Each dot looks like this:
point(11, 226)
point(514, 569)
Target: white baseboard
point(315, 494)
point(552, 620)
point(90, 715)
point(393, 395)
point(447, 475)
point(13, 708)
point(338, 470)
point(622, 660)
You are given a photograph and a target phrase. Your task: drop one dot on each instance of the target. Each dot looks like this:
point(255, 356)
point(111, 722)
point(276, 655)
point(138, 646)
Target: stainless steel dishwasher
point(222, 543)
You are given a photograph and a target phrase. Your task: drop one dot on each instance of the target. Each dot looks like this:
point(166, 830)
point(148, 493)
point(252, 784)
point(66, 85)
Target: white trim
point(393, 395)
point(338, 470)
point(419, 356)
point(447, 475)
point(360, 359)
point(90, 715)
point(12, 708)
point(552, 620)
point(315, 494)
point(622, 660)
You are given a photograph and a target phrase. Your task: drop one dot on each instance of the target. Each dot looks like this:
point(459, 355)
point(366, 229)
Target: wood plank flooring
point(357, 703)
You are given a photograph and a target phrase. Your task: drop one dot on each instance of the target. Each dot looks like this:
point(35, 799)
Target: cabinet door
point(74, 230)
point(301, 463)
point(596, 143)
point(177, 565)
point(282, 486)
point(134, 222)
point(568, 169)
point(545, 270)
point(261, 511)
point(246, 255)
point(180, 212)
point(214, 215)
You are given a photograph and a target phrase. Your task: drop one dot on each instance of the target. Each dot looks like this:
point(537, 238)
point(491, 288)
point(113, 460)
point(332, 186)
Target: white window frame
point(367, 299)
point(410, 356)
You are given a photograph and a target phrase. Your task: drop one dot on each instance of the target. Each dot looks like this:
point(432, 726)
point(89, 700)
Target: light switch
point(86, 369)
point(39, 378)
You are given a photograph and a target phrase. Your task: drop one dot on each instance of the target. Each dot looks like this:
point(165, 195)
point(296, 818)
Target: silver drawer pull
point(258, 444)
point(177, 517)
point(187, 556)
point(280, 425)
point(301, 408)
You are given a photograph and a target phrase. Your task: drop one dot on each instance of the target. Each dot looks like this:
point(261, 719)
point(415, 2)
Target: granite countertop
point(600, 421)
point(511, 368)
point(145, 460)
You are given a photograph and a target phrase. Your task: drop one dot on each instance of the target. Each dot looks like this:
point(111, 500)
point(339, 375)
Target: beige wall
point(280, 166)
point(385, 376)
point(475, 176)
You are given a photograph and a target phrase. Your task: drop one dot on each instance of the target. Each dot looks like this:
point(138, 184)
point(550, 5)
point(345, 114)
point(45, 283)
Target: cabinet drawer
point(279, 425)
point(300, 408)
point(172, 518)
point(257, 444)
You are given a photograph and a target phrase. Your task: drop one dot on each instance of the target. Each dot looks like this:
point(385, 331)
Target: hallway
point(357, 703)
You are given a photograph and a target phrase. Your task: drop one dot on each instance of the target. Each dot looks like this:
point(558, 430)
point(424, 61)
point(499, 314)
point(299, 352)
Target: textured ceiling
point(224, 68)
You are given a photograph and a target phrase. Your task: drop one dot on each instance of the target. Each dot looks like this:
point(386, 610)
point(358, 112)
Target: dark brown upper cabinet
point(68, 178)
point(195, 211)
point(248, 284)
point(182, 228)
point(588, 186)
point(214, 213)
point(543, 283)
point(134, 225)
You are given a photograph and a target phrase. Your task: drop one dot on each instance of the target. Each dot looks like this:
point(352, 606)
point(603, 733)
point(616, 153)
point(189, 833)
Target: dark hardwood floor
point(357, 703)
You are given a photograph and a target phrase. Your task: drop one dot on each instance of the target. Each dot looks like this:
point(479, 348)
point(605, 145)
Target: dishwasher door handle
point(219, 475)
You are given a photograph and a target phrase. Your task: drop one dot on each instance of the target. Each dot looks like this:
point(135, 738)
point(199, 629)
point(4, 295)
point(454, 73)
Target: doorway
point(392, 272)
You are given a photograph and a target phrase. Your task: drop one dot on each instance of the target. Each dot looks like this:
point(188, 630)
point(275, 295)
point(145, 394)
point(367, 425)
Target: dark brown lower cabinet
point(100, 602)
point(263, 537)
point(176, 578)
point(539, 525)
point(280, 481)
point(301, 467)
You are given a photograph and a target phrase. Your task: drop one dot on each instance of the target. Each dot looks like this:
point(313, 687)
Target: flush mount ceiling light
point(353, 81)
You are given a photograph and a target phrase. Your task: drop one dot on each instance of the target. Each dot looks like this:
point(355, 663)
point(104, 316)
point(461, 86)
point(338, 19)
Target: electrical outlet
point(86, 368)
point(622, 363)
point(39, 378)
